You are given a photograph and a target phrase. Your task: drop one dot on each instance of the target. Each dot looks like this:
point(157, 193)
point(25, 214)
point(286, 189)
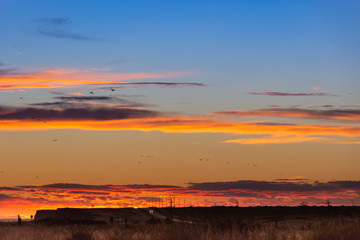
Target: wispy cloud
point(63, 78)
point(276, 139)
point(166, 84)
point(57, 27)
point(80, 101)
point(54, 20)
point(66, 34)
point(332, 114)
point(86, 98)
point(120, 59)
point(349, 142)
point(285, 94)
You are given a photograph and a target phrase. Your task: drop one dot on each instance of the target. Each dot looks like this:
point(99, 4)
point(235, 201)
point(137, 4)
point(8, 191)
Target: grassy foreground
point(336, 229)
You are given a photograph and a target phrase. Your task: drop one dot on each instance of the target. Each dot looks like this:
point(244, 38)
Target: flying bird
point(91, 93)
point(112, 89)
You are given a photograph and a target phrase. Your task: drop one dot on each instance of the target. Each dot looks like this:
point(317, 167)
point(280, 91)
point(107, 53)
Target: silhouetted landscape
point(303, 222)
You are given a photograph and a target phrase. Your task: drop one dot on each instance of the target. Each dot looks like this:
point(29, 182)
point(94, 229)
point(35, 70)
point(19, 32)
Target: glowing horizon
point(289, 192)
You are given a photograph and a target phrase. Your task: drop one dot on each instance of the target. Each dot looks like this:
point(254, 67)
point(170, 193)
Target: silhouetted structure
point(19, 220)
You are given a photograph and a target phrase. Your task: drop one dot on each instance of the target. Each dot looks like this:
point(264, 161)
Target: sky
point(130, 103)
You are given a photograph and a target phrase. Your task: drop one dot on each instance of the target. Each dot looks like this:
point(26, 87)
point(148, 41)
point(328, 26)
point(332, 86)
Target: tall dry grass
point(319, 230)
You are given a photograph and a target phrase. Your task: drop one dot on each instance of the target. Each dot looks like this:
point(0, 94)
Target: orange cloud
point(59, 78)
point(283, 133)
point(76, 94)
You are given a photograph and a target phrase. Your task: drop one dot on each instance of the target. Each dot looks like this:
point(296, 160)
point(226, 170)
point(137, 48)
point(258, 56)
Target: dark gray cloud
point(168, 84)
point(74, 113)
point(350, 106)
point(274, 124)
point(5, 197)
point(291, 179)
point(235, 193)
point(316, 106)
point(48, 104)
point(331, 114)
point(80, 101)
point(69, 186)
point(86, 98)
point(241, 188)
point(275, 186)
point(7, 188)
point(6, 71)
point(74, 186)
point(345, 184)
point(284, 94)
point(322, 106)
point(163, 84)
point(65, 34)
point(149, 186)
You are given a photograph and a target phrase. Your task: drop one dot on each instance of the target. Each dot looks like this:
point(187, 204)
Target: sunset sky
point(125, 103)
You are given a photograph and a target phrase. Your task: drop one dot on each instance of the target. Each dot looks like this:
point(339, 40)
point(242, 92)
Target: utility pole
point(171, 215)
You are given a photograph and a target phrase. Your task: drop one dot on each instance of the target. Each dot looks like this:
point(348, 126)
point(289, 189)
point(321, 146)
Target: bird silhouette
point(112, 89)
point(91, 93)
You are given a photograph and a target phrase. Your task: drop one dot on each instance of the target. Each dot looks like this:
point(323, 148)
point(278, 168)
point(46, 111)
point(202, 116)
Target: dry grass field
point(277, 223)
point(334, 229)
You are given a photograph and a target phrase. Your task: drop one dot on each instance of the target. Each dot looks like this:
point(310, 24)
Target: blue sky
point(255, 45)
